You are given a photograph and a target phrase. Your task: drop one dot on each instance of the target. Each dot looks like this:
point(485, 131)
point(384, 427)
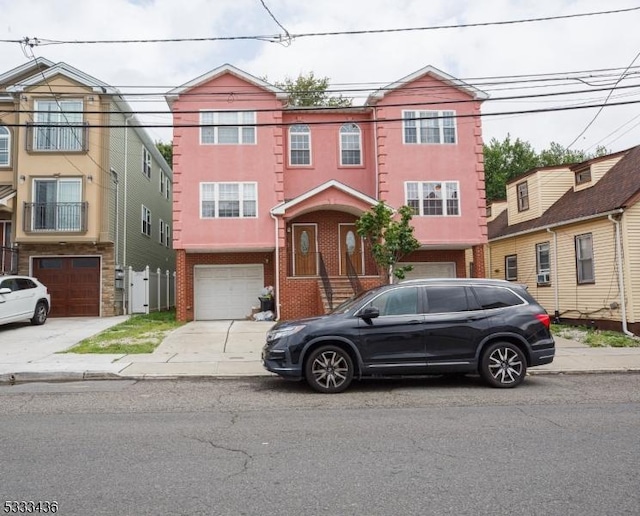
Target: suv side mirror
point(5, 290)
point(370, 312)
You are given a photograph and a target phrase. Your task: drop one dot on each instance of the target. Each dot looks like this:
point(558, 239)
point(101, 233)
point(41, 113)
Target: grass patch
point(138, 334)
point(595, 338)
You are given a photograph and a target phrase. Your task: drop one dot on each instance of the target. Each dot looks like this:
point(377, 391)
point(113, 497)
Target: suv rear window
point(496, 297)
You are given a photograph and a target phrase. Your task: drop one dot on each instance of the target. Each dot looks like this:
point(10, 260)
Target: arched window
point(300, 145)
point(5, 146)
point(350, 145)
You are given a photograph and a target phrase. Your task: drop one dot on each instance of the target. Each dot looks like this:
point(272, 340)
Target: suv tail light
point(544, 319)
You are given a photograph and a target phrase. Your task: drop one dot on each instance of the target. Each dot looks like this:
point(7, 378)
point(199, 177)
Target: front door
point(350, 247)
point(305, 250)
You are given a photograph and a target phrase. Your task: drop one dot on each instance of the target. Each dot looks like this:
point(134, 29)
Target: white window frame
point(213, 125)
point(146, 221)
point(418, 193)
point(167, 188)
point(56, 121)
point(511, 267)
point(211, 193)
point(5, 146)
point(302, 135)
point(161, 231)
point(429, 127)
point(522, 190)
point(584, 259)
point(167, 236)
point(146, 163)
point(543, 273)
point(63, 220)
point(161, 183)
point(346, 131)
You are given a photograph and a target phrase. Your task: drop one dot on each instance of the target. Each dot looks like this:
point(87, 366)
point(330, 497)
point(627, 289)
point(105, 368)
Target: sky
point(593, 60)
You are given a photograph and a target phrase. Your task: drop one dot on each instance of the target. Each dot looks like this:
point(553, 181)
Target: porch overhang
point(7, 192)
point(332, 195)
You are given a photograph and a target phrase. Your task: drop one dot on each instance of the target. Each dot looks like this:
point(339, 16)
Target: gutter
point(623, 305)
point(556, 286)
point(277, 266)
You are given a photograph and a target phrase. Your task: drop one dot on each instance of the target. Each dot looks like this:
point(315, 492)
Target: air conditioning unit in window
point(543, 278)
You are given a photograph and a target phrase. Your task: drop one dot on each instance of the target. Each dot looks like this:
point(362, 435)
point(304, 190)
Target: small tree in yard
point(390, 239)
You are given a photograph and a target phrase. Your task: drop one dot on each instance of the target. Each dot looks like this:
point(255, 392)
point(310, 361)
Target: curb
point(27, 377)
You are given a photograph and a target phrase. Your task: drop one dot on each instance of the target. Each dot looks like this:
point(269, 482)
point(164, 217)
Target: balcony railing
point(8, 260)
point(55, 217)
point(54, 137)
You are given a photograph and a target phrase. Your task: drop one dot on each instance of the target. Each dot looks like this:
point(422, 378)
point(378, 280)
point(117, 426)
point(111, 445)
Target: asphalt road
point(565, 445)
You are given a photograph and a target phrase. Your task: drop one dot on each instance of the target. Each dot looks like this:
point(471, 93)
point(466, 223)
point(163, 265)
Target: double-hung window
point(511, 267)
point(227, 127)
point(57, 205)
point(429, 127)
point(350, 145)
point(5, 146)
point(146, 221)
point(584, 258)
point(162, 235)
point(228, 200)
point(432, 198)
point(146, 163)
point(523, 196)
point(58, 126)
point(543, 263)
point(299, 145)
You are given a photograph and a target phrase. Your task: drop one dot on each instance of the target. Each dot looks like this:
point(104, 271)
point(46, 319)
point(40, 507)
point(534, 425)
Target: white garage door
point(226, 291)
point(431, 270)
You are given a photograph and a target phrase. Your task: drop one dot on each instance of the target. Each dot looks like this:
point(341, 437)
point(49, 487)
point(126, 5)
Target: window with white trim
point(584, 258)
point(523, 196)
point(543, 263)
point(424, 127)
point(146, 221)
point(57, 204)
point(59, 125)
point(227, 127)
point(228, 200)
point(161, 230)
point(433, 198)
point(162, 182)
point(146, 163)
point(299, 145)
point(511, 267)
point(350, 145)
point(167, 188)
point(167, 236)
point(5, 146)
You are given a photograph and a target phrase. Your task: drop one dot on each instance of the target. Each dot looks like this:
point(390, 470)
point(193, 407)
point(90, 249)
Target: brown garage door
point(73, 282)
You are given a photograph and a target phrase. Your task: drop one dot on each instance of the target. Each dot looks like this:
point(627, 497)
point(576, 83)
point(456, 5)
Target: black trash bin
point(266, 303)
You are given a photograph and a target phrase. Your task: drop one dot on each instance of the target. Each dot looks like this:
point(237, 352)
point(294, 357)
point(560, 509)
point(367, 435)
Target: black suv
point(417, 327)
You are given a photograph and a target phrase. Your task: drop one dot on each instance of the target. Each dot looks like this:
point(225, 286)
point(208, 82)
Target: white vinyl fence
point(150, 291)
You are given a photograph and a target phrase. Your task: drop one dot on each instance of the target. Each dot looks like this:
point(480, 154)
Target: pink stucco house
point(268, 195)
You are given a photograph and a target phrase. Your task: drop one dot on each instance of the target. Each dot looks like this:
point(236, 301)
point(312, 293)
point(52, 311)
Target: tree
point(309, 90)
point(503, 161)
point(390, 239)
point(166, 149)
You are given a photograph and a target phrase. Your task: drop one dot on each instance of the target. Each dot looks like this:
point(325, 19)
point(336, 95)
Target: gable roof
point(616, 190)
point(68, 71)
point(282, 208)
point(6, 192)
point(28, 67)
point(433, 72)
point(226, 68)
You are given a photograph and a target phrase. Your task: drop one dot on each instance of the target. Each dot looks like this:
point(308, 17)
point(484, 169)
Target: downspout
point(375, 146)
point(556, 286)
point(623, 305)
point(117, 228)
point(126, 177)
point(277, 266)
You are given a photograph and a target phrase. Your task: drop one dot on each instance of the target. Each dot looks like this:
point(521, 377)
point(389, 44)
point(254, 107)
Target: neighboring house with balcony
point(268, 195)
point(572, 235)
point(84, 193)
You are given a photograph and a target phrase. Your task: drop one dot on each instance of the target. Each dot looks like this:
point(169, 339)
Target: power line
point(287, 40)
point(278, 38)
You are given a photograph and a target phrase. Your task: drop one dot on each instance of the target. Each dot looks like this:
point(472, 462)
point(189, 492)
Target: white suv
point(21, 298)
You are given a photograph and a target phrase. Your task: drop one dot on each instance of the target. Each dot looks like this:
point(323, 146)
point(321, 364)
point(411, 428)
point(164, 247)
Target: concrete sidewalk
point(209, 349)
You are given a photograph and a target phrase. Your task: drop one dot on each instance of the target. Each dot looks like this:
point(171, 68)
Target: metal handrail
point(326, 284)
point(352, 274)
point(48, 217)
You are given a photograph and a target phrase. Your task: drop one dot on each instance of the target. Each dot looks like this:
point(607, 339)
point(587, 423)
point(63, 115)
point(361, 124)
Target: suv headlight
point(283, 332)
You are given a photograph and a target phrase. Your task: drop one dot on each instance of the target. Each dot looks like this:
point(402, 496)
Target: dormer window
point(583, 176)
point(523, 196)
